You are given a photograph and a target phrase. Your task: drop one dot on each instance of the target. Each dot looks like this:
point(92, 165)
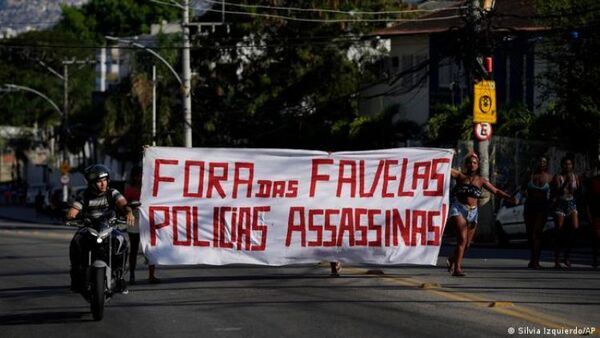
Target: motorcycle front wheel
point(97, 292)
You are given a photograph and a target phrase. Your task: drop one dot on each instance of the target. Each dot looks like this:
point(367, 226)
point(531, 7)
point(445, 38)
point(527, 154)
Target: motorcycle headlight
point(103, 234)
point(100, 235)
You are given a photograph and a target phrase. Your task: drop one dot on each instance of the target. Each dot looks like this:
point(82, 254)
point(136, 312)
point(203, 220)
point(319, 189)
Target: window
point(450, 74)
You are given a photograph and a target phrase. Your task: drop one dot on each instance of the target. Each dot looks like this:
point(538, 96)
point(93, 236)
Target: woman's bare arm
point(491, 188)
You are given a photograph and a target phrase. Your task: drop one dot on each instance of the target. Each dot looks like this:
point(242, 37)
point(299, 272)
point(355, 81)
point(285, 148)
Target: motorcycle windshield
point(102, 221)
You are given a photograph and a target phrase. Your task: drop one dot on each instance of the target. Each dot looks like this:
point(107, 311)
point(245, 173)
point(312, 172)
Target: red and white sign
point(276, 206)
point(483, 131)
point(65, 179)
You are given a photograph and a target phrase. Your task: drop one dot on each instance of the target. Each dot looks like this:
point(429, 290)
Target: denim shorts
point(566, 207)
point(469, 214)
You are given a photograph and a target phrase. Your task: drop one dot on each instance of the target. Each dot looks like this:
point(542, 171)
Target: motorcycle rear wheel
point(97, 292)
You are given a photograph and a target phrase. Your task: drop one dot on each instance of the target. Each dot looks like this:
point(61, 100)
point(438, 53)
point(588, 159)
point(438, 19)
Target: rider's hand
point(130, 219)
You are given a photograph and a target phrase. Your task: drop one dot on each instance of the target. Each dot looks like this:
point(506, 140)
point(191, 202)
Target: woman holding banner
point(132, 193)
point(463, 209)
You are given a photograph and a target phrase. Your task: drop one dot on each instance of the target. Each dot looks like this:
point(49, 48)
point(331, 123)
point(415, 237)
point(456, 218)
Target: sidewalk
point(25, 214)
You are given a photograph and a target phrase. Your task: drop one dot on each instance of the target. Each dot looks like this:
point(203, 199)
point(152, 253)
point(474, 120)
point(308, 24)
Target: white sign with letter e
point(483, 131)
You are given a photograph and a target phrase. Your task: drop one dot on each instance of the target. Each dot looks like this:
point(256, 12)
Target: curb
point(29, 220)
point(36, 234)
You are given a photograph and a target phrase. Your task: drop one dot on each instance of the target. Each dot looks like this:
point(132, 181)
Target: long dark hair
point(468, 158)
point(565, 159)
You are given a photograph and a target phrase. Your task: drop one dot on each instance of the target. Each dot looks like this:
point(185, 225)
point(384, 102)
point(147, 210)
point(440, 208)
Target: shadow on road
point(37, 318)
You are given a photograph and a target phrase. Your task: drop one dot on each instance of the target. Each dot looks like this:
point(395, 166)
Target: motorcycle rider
point(97, 200)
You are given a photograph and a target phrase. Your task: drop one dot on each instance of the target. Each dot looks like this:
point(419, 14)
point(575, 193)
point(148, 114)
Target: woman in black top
point(536, 209)
point(463, 209)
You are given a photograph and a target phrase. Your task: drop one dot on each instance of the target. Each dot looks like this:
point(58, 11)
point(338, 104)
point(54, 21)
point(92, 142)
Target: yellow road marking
point(499, 306)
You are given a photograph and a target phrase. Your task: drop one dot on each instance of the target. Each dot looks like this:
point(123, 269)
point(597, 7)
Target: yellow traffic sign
point(65, 167)
point(484, 107)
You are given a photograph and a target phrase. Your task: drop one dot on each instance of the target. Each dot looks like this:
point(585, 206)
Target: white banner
point(277, 206)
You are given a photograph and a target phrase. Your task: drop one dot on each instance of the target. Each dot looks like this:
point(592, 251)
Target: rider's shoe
point(121, 286)
point(132, 278)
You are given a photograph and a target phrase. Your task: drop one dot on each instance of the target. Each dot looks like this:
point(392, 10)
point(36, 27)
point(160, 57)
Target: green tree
point(29, 60)
point(273, 78)
point(516, 121)
point(126, 113)
point(574, 53)
point(98, 18)
point(274, 81)
point(447, 124)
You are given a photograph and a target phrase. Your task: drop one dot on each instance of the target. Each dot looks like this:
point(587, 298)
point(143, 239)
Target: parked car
point(510, 222)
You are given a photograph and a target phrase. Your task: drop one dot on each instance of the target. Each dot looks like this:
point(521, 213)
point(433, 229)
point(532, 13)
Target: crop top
point(543, 188)
point(468, 190)
point(567, 186)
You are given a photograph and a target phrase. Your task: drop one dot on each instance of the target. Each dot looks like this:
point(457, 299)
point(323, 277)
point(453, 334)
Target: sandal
point(450, 264)
point(336, 267)
point(458, 274)
point(153, 280)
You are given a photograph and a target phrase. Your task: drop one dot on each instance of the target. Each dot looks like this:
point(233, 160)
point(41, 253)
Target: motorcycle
point(106, 250)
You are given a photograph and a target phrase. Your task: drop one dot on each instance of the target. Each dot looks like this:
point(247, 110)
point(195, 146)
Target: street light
point(64, 115)
point(31, 90)
point(140, 46)
point(65, 78)
point(11, 86)
point(186, 68)
point(153, 77)
point(186, 93)
point(55, 106)
point(52, 103)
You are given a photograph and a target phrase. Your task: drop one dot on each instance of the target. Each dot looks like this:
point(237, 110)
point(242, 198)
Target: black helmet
point(96, 172)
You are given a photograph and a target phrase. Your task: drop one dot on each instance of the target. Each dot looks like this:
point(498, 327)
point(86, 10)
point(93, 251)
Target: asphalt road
point(498, 295)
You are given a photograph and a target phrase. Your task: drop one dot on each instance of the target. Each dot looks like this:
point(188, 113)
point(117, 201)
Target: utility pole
point(185, 60)
point(65, 166)
point(473, 63)
point(65, 106)
point(153, 105)
point(187, 75)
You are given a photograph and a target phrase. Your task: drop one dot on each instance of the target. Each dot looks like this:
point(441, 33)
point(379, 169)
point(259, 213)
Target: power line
point(284, 43)
point(320, 10)
point(291, 18)
point(551, 15)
